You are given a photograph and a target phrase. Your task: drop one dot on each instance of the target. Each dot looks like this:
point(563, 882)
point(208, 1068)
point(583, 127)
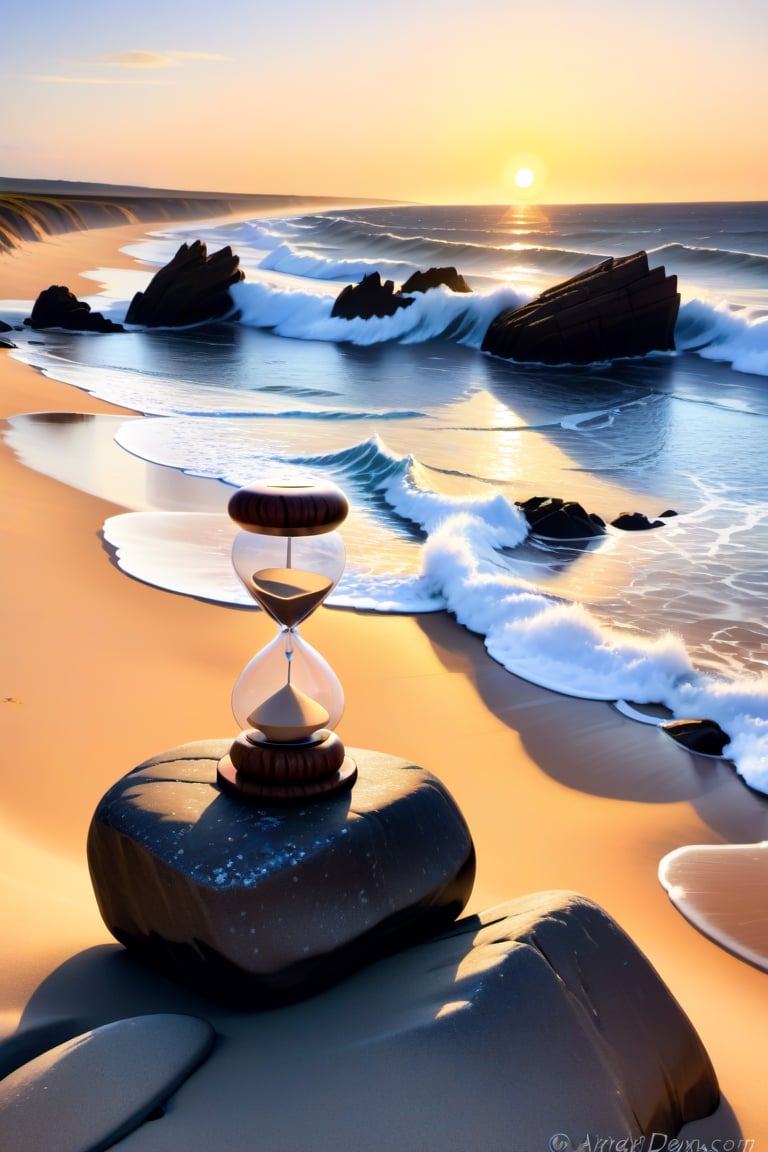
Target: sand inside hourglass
point(289, 594)
point(288, 715)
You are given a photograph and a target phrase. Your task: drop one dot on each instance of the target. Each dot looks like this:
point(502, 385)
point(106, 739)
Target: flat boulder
point(616, 308)
point(265, 905)
point(192, 288)
point(369, 298)
point(434, 278)
point(537, 1024)
point(89, 1092)
point(560, 519)
point(57, 307)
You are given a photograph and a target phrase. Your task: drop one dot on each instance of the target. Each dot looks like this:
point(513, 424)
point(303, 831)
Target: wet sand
point(101, 672)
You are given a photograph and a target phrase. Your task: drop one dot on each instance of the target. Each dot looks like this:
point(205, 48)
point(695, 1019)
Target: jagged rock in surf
point(616, 308)
point(433, 278)
point(560, 519)
point(192, 289)
point(5, 327)
point(57, 307)
point(369, 298)
point(635, 522)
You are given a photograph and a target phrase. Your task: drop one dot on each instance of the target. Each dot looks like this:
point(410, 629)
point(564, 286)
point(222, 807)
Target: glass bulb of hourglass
point(289, 576)
point(288, 662)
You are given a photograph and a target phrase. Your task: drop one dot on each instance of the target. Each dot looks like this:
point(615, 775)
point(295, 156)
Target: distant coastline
point(32, 210)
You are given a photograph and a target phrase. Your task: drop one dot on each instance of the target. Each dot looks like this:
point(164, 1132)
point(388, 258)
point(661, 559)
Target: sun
point(524, 177)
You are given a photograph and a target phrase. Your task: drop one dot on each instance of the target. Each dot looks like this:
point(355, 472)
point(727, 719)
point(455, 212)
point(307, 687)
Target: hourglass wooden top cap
point(289, 510)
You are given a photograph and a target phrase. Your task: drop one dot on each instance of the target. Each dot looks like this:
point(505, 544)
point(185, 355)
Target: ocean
point(434, 441)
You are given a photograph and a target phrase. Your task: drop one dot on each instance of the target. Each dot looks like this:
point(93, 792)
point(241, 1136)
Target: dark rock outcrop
point(267, 910)
point(635, 522)
point(7, 344)
point(560, 519)
point(433, 278)
point(616, 308)
point(5, 327)
point(369, 298)
point(57, 307)
point(703, 736)
point(191, 289)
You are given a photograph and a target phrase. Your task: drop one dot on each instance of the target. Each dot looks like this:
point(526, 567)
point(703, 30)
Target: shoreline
point(35, 211)
point(105, 671)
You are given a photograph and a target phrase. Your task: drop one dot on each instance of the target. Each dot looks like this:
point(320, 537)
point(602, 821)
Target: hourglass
point(288, 700)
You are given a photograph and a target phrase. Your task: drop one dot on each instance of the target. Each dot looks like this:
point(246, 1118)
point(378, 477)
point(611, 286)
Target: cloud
point(92, 80)
point(134, 59)
point(139, 58)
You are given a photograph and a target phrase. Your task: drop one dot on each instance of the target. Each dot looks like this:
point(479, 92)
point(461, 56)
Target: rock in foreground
point(192, 289)
point(89, 1092)
point(616, 308)
point(537, 1017)
point(266, 905)
point(57, 307)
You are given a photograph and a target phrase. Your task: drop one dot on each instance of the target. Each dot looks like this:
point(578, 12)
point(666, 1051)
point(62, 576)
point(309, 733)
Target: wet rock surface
point(698, 735)
point(266, 905)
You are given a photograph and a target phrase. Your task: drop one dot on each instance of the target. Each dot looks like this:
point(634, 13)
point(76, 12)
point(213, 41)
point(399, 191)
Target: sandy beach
point(101, 672)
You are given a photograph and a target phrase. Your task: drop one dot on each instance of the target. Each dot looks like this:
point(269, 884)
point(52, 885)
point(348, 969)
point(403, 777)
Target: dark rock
point(616, 308)
point(7, 344)
point(560, 519)
point(191, 289)
point(635, 522)
point(5, 327)
point(91, 1091)
point(703, 736)
point(369, 298)
point(266, 906)
point(669, 512)
point(433, 278)
point(57, 307)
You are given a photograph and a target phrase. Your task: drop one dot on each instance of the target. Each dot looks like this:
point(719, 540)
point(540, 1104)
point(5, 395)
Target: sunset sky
point(428, 100)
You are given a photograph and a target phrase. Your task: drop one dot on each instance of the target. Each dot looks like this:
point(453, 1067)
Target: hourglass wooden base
point(260, 769)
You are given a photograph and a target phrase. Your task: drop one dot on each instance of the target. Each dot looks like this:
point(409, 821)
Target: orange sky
point(430, 100)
